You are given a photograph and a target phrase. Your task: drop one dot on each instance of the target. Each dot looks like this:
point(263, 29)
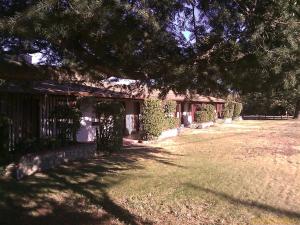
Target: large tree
point(209, 46)
point(246, 46)
point(94, 38)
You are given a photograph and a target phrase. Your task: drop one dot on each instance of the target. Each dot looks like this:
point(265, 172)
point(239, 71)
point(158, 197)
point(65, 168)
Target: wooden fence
point(266, 117)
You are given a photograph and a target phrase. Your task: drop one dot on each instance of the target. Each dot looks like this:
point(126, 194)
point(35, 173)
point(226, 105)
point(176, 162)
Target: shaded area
point(75, 193)
point(247, 203)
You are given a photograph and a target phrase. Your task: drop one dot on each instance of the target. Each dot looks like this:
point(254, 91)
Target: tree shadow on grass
point(75, 193)
point(248, 203)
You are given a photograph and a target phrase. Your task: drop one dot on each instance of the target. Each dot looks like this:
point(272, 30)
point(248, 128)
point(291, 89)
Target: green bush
point(171, 123)
point(211, 111)
point(202, 116)
point(109, 131)
point(4, 140)
point(67, 121)
point(238, 107)
point(228, 110)
point(206, 114)
point(152, 119)
point(170, 108)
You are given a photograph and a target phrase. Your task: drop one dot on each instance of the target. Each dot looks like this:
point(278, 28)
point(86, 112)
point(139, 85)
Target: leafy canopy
point(220, 46)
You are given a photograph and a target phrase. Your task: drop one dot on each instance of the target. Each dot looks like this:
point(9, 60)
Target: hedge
point(238, 107)
point(206, 114)
point(169, 108)
point(171, 123)
point(109, 131)
point(228, 110)
point(152, 119)
point(202, 116)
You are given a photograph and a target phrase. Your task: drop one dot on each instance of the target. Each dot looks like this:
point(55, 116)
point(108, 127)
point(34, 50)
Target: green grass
point(245, 173)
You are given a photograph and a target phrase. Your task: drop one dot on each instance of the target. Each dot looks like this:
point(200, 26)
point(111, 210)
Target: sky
point(36, 57)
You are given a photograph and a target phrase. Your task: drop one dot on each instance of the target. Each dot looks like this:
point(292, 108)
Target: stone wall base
point(202, 125)
point(169, 133)
point(228, 120)
point(32, 163)
point(238, 118)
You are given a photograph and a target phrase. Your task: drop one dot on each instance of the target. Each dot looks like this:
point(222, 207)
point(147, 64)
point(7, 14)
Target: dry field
point(244, 173)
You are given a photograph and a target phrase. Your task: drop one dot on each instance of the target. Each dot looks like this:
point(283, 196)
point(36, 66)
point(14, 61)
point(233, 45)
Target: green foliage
point(109, 131)
point(170, 108)
point(67, 122)
point(211, 110)
point(4, 139)
point(206, 114)
point(268, 104)
point(171, 123)
point(228, 110)
point(152, 119)
point(238, 107)
point(202, 116)
point(250, 46)
point(93, 38)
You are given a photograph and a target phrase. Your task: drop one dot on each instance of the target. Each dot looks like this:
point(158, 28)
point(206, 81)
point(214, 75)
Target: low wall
point(169, 133)
point(202, 125)
point(228, 120)
point(32, 163)
point(238, 118)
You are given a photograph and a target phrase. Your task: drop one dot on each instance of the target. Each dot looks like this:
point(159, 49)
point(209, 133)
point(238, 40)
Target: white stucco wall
point(87, 132)
point(187, 117)
point(129, 117)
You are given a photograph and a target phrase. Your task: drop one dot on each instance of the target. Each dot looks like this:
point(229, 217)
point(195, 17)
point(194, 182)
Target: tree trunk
point(297, 110)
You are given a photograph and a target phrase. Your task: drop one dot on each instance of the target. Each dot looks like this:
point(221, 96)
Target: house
point(29, 106)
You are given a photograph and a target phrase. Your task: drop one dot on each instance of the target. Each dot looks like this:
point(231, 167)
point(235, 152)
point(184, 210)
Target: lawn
point(244, 173)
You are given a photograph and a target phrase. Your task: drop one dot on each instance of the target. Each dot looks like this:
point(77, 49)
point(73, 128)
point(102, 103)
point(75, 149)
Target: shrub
point(169, 108)
point(238, 107)
point(109, 131)
point(211, 111)
point(67, 121)
point(171, 123)
point(4, 139)
point(152, 119)
point(206, 114)
point(228, 110)
point(202, 116)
